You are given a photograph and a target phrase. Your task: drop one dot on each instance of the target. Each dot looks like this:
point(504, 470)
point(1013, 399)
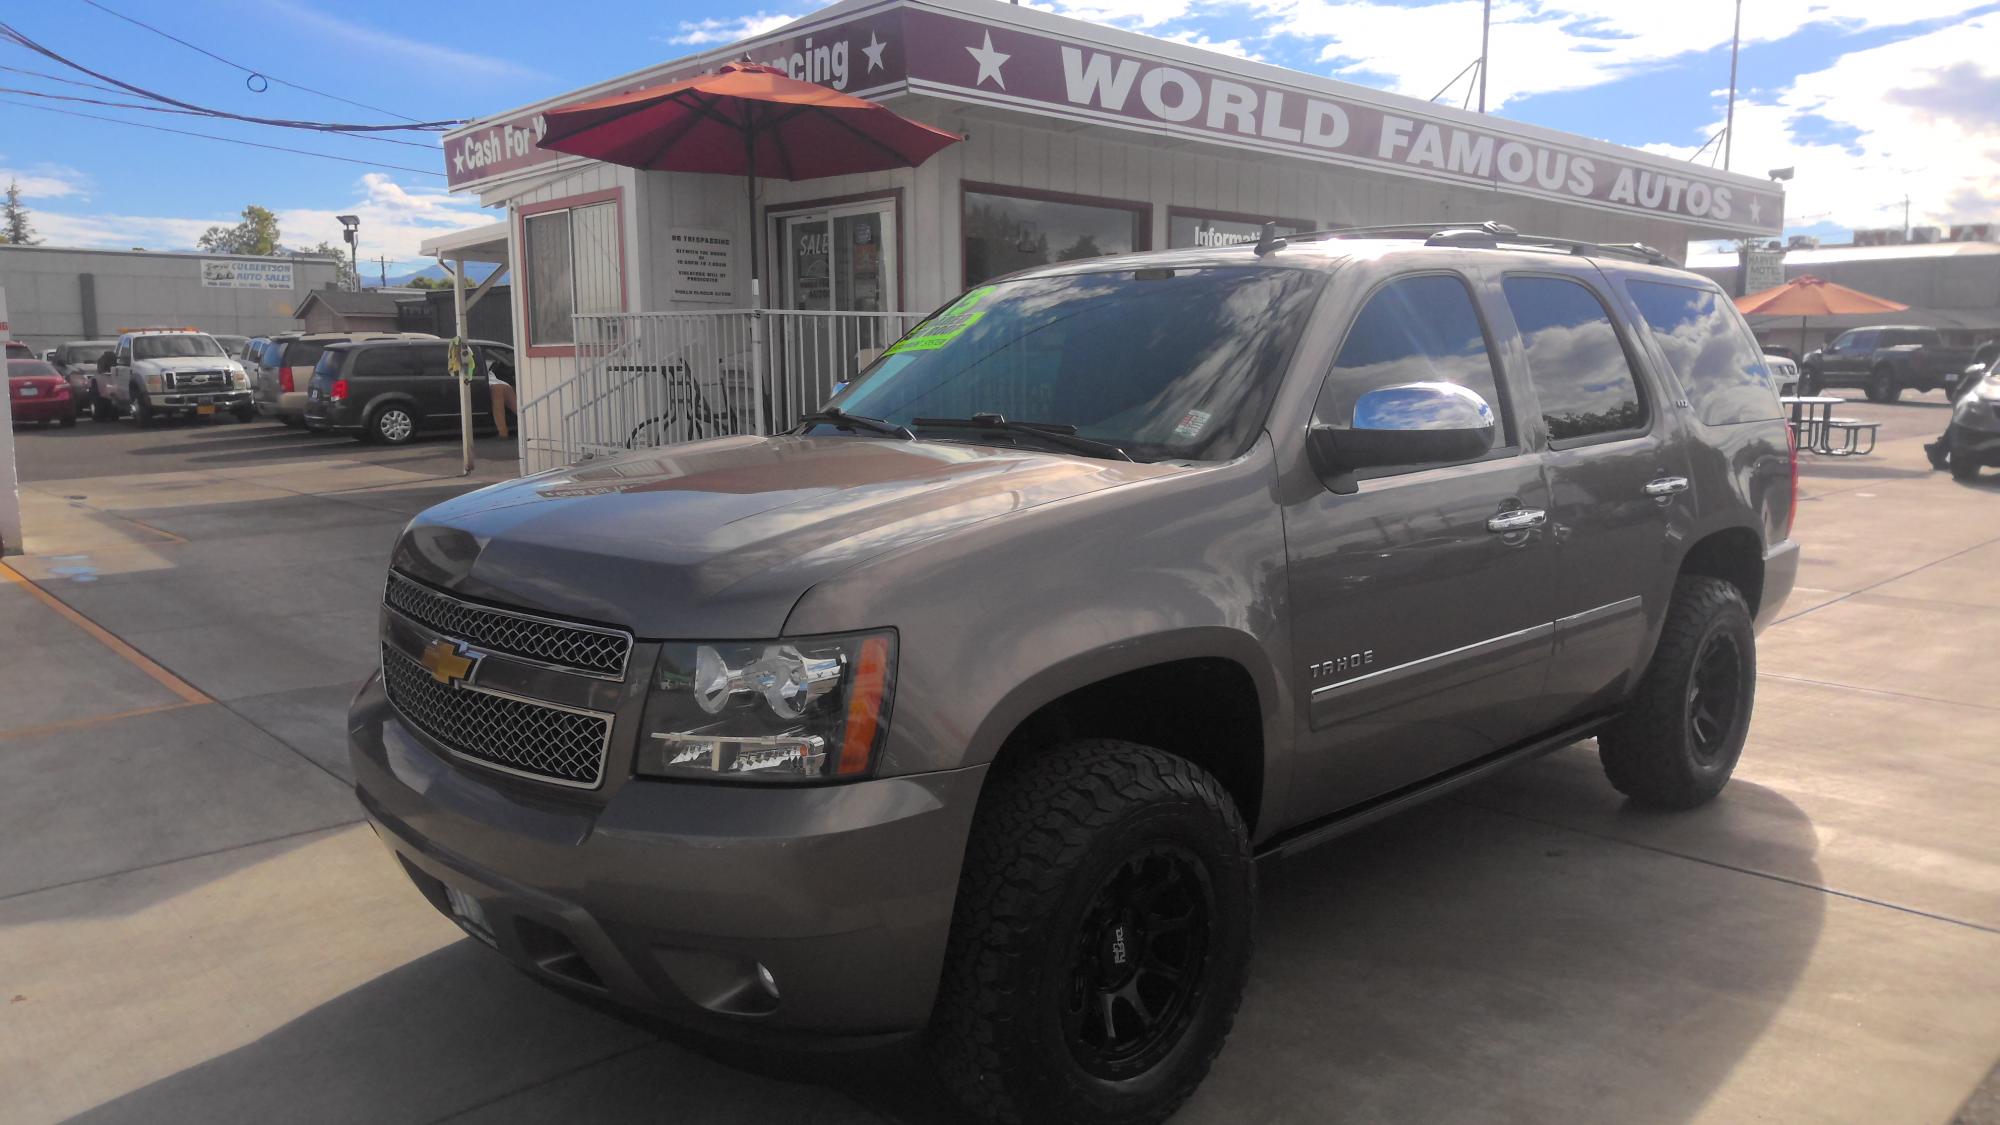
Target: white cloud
point(1543, 46)
point(1908, 117)
point(696, 33)
point(1234, 47)
point(394, 221)
point(45, 181)
point(422, 53)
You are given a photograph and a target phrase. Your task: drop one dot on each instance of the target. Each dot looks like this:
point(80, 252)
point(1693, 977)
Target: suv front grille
point(541, 741)
point(587, 649)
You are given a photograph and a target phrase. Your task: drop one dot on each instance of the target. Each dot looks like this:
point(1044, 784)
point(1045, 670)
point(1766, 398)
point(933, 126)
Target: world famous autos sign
point(1052, 66)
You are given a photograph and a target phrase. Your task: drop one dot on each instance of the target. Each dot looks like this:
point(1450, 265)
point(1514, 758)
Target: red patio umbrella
point(1807, 296)
point(744, 120)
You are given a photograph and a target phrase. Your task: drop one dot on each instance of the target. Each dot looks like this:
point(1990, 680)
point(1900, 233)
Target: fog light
point(765, 978)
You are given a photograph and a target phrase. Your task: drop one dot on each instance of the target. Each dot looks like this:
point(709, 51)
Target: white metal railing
point(644, 380)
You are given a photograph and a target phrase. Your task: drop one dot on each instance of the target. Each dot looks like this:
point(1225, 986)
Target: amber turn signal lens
point(864, 706)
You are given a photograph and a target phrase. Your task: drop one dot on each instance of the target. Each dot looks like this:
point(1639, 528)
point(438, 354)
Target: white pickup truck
point(157, 372)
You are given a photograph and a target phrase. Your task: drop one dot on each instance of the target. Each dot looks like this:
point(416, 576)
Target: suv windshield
point(1163, 362)
point(175, 346)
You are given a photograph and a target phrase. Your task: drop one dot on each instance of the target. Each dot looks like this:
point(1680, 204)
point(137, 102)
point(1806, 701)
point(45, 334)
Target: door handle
point(1520, 519)
point(1667, 486)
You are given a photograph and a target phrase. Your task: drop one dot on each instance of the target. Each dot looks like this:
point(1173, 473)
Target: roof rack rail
point(1491, 235)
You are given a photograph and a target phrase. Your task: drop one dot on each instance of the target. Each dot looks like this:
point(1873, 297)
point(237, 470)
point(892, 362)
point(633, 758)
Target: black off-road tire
point(103, 409)
point(1055, 839)
point(142, 408)
point(1964, 468)
point(1655, 753)
point(1882, 386)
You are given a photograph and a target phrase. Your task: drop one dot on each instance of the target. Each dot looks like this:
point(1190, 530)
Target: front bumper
point(1781, 573)
point(665, 897)
point(181, 401)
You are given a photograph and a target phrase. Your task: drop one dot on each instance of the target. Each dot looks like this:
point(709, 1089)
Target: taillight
point(285, 380)
point(1792, 447)
point(339, 392)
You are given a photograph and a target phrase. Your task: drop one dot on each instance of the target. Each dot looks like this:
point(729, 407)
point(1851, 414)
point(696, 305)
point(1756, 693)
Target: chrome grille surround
point(529, 738)
point(587, 650)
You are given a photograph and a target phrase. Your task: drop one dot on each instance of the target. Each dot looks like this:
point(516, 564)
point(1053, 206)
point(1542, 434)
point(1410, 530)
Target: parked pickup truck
point(965, 707)
point(165, 372)
point(1886, 361)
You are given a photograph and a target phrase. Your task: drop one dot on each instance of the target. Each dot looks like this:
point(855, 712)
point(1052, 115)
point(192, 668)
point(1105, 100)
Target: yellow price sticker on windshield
point(946, 326)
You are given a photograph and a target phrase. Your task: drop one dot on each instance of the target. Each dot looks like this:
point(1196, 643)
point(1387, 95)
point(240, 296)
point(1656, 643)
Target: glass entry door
point(838, 266)
point(842, 259)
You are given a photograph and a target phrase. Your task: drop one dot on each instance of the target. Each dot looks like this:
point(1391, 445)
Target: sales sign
point(231, 273)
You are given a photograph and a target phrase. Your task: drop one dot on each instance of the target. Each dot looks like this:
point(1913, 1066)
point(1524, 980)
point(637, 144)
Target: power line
point(61, 79)
point(226, 140)
point(250, 72)
point(7, 31)
point(189, 113)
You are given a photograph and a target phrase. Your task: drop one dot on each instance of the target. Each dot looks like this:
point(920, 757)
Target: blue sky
point(1869, 100)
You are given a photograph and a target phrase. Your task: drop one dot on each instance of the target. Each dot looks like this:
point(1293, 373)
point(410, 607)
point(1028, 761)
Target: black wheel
point(69, 420)
point(1809, 381)
point(1882, 387)
point(1679, 739)
point(245, 413)
point(391, 424)
point(292, 420)
point(1964, 468)
point(102, 409)
point(1100, 941)
point(142, 408)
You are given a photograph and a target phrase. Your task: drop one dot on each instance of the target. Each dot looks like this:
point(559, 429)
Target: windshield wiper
point(835, 416)
point(1055, 433)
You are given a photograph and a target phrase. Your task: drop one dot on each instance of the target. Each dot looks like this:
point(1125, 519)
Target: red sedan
point(39, 393)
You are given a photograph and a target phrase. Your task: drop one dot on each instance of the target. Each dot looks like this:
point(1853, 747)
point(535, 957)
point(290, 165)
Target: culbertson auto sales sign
point(1046, 65)
point(230, 273)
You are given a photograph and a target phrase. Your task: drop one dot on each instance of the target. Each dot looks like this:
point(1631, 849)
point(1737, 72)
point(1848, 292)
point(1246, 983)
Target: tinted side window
point(1579, 367)
point(1724, 375)
point(300, 353)
point(1421, 329)
point(427, 359)
point(378, 361)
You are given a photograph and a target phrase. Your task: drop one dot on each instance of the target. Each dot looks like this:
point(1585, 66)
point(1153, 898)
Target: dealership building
point(56, 294)
point(1079, 140)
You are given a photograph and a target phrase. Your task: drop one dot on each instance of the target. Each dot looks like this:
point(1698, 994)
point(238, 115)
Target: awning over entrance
point(486, 243)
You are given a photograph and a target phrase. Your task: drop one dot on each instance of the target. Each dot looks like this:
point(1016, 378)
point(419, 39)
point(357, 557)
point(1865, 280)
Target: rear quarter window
point(379, 361)
point(300, 353)
point(1711, 351)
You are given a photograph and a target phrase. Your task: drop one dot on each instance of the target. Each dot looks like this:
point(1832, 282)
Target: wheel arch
point(1197, 695)
point(1734, 554)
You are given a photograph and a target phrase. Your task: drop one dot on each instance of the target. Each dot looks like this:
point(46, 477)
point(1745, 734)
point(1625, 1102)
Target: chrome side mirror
point(1410, 424)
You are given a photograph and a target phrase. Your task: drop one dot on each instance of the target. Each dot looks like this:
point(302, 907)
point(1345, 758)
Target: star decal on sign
point(458, 160)
point(1756, 210)
point(874, 51)
point(989, 61)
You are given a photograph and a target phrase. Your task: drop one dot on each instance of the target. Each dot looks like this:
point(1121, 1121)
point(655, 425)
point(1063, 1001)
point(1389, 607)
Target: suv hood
point(719, 539)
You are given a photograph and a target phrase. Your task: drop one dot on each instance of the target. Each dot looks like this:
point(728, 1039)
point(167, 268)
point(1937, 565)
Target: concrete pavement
point(197, 927)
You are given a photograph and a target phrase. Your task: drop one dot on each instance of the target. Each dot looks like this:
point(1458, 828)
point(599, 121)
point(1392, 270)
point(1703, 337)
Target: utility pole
point(1729, 124)
point(382, 264)
point(1485, 36)
point(1906, 217)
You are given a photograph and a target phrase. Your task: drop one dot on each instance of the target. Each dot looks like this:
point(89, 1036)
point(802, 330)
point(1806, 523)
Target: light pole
point(350, 228)
point(1729, 122)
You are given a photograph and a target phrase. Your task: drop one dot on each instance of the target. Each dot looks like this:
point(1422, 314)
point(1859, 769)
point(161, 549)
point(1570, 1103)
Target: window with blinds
point(572, 267)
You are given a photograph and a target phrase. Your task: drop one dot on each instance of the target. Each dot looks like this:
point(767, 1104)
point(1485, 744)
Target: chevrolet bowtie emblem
point(449, 662)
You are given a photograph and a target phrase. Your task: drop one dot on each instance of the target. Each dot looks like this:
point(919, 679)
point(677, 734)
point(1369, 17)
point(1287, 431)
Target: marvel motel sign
point(886, 49)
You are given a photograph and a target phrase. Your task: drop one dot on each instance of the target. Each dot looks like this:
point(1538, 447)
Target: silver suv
point(965, 708)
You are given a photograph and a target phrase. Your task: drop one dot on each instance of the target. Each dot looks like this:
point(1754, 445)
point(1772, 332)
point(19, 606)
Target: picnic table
point(1815, 429)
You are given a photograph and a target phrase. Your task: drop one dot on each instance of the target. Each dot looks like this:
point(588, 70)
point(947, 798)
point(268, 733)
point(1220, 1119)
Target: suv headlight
point(802, 709)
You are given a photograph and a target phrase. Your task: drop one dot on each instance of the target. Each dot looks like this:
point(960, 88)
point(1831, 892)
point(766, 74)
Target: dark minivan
point(391, 390)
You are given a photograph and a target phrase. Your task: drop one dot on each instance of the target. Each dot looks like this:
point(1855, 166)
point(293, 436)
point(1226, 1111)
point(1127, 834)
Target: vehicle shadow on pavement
point(1454, 963)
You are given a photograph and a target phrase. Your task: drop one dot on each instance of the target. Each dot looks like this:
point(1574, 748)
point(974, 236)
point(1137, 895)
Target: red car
point(39, 393)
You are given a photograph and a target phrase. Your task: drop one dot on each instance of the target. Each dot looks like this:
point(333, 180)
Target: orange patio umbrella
point(1807, 297)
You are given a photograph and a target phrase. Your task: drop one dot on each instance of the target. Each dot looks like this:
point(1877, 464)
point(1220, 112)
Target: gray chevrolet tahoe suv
point(966, 708)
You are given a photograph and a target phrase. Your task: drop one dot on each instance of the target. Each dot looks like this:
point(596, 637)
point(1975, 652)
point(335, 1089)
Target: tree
point(429, 283)
point(257, 234)
point(14, 225)
point(329, 250)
